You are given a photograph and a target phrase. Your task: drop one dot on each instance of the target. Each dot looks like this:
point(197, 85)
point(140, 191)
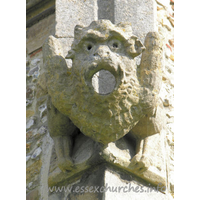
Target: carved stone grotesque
point(131, 106)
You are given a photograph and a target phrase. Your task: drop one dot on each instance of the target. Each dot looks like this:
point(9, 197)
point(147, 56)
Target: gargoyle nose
point(102, 51)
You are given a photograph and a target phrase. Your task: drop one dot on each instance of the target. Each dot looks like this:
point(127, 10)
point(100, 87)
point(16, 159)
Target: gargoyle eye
point(115, 44)
point(88, 46)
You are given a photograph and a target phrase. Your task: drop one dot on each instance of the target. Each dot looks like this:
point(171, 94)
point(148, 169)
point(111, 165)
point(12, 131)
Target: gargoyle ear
point(126, 26)
point(78, 31)
point(136, 47)
point(70, 54)
point(139, 47)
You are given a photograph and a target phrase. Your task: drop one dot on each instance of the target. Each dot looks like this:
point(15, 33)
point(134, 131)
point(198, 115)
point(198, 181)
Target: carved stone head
point(110, 49)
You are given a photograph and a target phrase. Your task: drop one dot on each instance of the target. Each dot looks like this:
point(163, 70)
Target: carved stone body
point(131, 107)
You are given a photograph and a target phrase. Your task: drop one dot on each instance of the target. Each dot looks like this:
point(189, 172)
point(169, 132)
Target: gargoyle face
point(103, 46)
point(107, 49)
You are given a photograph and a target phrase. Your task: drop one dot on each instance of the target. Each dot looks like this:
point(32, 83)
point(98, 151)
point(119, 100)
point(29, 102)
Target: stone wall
point(165, 19)
point(38, 141)
point(40, 24)
point(39, 144)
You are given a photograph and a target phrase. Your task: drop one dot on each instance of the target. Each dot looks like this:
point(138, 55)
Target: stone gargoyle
point(132, 106)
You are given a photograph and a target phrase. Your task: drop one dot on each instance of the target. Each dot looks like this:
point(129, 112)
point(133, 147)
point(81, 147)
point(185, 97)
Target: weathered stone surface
point(56, 196)
point(29, 93)
point(130, 189)
point(106, 10)
point(131, 105)
point(29, 113)
point(140, 13)
point(126, 158)
point(36, 153)
point(69, 13)
point(36, 34)
point(42, 130)
point(42, 83)
point(33, 72)
point(164, 14)
point(89, 181)
point(38, 147)
point(66, 46)
point(47, 144)
point(99, 58)
point(43, 110)
point(85, 155)
point(83, 149)
point(88, 153)
point(33, 195)
point(27, 158)
point(104, 182)
point(28, 102)
point(32, 171)
point(119, 152)
point(31, 122)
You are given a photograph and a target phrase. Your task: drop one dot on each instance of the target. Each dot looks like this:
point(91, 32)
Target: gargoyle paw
point(65, 164)
point(140, 164)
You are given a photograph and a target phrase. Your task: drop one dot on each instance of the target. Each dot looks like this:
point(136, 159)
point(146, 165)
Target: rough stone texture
point(165, 13)
point(37, 91)
point(69, 13)
point(38, 141)
point(140, 13)
point(88, 153)
point(37, 34)
point(132, 107)
point(105, 182)
point(142, 96)
point(106, 10)
point(33, 195)
point(130, 189)
point(31, 3)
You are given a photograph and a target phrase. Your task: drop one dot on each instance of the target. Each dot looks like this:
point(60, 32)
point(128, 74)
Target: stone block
point(70, 13)
point(66, 46)
point(29, 113)
point(33, 195)
point(36, 153)
point(140, 13)
point(85, 188)
point(87, 154)
point(106, 183)
point(83, 149)
point(32, 171)
point(31, 122)
point(55, 196)
point(37, 34)
point(106, 10)
point(119, 186)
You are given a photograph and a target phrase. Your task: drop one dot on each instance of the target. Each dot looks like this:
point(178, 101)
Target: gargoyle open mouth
point(103, 82)
point(103, 78)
